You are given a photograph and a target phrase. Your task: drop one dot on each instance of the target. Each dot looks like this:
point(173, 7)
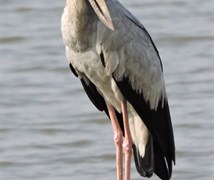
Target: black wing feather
point(96, 98)
point(159, 124)
point(73, 70)
point(99, 101)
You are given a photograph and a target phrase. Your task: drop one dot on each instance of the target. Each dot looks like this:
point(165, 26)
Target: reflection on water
point(49, 128)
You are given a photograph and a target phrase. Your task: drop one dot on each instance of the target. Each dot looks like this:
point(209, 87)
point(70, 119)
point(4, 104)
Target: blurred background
point(49, 128)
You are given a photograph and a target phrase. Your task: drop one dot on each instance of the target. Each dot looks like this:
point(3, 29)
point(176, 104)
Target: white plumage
point(102, 57)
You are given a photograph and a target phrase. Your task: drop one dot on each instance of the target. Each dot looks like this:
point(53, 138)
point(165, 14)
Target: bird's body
point(117, 65)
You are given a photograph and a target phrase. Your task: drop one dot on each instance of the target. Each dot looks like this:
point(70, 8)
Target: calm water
point(51, 131)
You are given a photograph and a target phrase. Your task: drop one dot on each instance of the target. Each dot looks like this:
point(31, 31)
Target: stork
point(120, 69)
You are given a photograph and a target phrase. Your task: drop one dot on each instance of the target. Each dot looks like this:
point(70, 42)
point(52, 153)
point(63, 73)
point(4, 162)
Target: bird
point(120, 69)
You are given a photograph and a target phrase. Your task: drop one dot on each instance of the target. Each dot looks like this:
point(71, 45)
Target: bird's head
point(102, 12)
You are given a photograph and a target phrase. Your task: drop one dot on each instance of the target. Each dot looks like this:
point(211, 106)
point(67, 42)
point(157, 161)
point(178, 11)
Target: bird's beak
point(102, 12)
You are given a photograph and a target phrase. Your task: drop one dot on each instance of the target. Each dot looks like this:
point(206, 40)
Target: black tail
point(145, 165)
point(153, 161)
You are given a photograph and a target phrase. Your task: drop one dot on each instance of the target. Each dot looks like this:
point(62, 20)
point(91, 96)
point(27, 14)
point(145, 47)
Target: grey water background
point(49, 128)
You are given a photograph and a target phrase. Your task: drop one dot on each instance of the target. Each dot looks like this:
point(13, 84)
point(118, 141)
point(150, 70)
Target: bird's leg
point(118, 139)
point(127, 144)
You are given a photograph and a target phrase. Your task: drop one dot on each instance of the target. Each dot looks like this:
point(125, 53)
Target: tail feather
point(153, 161)
point(145, 165)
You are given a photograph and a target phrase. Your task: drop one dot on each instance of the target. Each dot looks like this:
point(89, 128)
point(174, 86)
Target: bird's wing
point(129, 51)
point(134, 62)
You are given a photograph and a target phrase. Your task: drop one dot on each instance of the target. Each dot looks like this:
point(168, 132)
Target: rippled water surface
point(50, 130)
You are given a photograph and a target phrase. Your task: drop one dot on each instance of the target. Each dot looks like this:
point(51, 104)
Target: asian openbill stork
point(120, 69)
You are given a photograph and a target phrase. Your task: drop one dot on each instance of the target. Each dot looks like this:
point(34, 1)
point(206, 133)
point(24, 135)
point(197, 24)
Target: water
point(49, 128)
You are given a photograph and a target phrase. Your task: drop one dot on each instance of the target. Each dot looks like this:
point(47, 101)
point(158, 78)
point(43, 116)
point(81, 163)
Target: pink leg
point(127, 141)
point(118, 139)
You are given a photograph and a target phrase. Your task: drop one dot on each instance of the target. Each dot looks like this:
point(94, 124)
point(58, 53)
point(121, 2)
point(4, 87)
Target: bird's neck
point(76, 5)
point(81, 17)
point(79, 9)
